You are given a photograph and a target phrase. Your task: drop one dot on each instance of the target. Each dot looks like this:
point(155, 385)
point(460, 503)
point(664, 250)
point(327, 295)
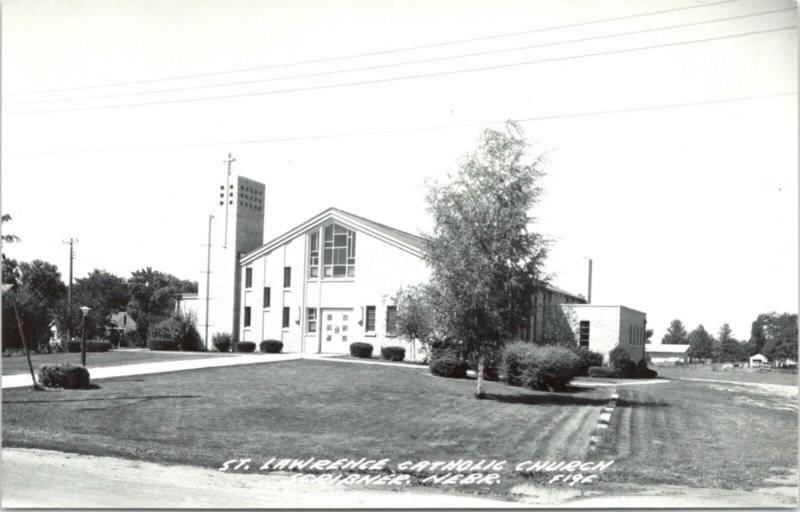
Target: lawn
point(732, 375)
point(305, 408)
point(19, 364)
point(697, 434)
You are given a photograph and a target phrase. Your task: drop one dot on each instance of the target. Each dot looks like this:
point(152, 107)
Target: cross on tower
point(228, 161)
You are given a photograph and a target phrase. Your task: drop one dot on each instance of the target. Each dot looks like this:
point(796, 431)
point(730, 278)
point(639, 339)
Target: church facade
point(327, 283)
point(333, 280)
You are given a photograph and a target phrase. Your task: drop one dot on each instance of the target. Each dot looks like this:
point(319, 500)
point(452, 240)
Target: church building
point(332, 280)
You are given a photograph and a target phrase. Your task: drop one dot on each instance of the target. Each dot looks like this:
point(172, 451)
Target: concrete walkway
point(24, 379)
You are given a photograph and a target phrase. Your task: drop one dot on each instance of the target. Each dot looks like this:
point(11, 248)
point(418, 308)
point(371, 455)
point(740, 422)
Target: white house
point(758, 361)
point(667, 354)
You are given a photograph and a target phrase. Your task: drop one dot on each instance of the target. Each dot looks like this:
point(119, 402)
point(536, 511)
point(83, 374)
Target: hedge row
point(448, 366)
point(246, 346)
point(393, 353)
point(163, 344)
point(91, 345)
point(540, 366)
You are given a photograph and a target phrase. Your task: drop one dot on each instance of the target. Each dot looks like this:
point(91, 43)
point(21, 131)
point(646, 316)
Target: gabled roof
point(406, 241)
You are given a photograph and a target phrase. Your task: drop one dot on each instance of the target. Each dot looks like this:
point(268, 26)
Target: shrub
point(162, 344)
point(91, 345)
point(587, 359)
point(603, 371)
point(222, 341)
point(641, 371)
point(271, 346)
point(491, 366)
point(446, 347)
point(181, 329)
point(539, 366)
point(362, 350)
point(66, 376)
point(132, 339)
point(617, 356)
point(448, 366)
point(246, 346)
point(393, 353)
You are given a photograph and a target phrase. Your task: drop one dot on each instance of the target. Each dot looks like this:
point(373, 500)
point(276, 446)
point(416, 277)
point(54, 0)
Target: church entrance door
point(336, 333)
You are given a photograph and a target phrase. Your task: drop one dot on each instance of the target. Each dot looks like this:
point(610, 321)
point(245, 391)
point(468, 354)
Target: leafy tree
point(780, 333)
point(757, 337)
point(676, 334)
point(701, 344)
point(105, 294)
point(37, 290)
point(558, 326)
point(8, 238)
point(153, 296)
point(648, 333)
point(485, 262)
point(414, 315)
point(726, 348)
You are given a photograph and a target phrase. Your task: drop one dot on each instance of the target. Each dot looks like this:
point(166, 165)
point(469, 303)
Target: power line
point(396, 64)
point(408, 77)
point(379, 52)
point(412, 130)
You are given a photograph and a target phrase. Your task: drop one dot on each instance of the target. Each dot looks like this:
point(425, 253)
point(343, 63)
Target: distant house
point(186, 305)
point(667, 354)
point(758, 361)
point(123, 322)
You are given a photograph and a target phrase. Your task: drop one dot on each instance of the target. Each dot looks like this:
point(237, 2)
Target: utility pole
point(228, 161)
point(71, 241)
point(208, 276)
point(589, 297)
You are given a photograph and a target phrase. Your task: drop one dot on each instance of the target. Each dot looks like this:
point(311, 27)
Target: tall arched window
point(339, 255)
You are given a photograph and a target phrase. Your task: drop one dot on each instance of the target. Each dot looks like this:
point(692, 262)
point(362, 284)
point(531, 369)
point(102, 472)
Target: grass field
point(734, 375)
point(697, 434)
point(19, 364)
point(303, 409)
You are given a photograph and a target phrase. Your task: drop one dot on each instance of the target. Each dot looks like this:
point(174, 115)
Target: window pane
point(370, 322)
point(339, 271)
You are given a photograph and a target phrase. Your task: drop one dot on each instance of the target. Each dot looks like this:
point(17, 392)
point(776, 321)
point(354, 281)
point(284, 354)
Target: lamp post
point(84, 310)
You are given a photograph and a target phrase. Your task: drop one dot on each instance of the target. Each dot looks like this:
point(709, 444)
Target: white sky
point(687, 212)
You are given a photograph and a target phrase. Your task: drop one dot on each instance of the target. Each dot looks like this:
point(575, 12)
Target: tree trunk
point(479, 391)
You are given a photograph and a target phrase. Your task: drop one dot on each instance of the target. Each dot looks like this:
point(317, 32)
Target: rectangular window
point(313, 254)
point(630, 334)
point(287, 277)
point(248, 277)
point(285, 323)
point(247, 316)
point(311, 315)
point(584, 333)
point(391, 320)
point(267, 296)
point(339, 255)
point(370, 320)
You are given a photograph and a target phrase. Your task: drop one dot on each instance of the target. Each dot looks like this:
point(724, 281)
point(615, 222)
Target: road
point(48, 479)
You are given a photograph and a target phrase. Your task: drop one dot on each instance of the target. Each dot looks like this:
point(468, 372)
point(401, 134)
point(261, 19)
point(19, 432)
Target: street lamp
point(84, 310)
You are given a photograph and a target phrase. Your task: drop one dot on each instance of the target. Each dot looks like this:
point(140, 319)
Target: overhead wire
point(397, 64)
point(413, 130)
point(409, 77)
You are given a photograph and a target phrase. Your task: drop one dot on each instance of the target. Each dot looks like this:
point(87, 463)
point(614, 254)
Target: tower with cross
point(237, 228)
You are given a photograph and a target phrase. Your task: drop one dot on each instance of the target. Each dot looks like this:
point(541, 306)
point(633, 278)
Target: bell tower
point(237, 227)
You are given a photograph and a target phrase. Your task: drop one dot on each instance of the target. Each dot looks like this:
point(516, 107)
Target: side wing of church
point(327, 283)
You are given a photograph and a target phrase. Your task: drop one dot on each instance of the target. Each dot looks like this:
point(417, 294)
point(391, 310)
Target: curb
point(603, 421)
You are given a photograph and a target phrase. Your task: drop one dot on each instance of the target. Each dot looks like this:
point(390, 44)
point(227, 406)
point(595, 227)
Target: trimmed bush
point(643, 372)
point(362, 350)
point(587, 359)
point(271, 346)
point(393, 353)
point(91, 346)
point(539, 366)
point(448, 366)
point(222, 341)
point(163, 344)
point(180, 328)
point(446, 347)
point(246, 346)
point(65, 376)
point(603, 371)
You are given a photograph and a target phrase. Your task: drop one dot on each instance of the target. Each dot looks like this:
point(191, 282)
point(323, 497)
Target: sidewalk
point(24, 379)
